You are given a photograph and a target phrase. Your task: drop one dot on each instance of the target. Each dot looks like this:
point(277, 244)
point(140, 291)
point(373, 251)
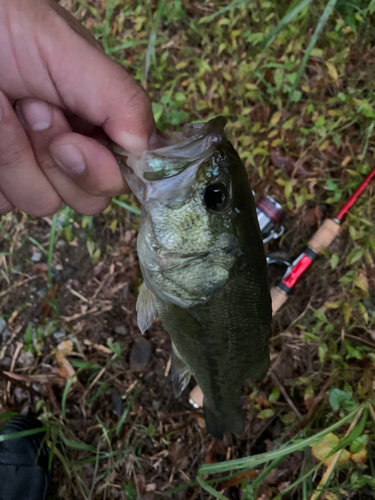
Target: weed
point(297, 85)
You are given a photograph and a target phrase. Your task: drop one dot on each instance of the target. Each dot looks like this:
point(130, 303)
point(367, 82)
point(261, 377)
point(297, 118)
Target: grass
point(297, 84)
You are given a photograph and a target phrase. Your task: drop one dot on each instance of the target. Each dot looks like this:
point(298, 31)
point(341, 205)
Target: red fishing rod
point(321, 240)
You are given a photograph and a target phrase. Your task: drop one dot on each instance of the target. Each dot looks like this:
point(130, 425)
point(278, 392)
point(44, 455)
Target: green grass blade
point(121, 204)
point(251, 462)
point(53, 447)
point(203, 484)
point(89, 7)
point(38, 245)
point(357, 431)
point(292, 13)
point(150, 54)
point(5, 232)
point(125, 413)
point(51, 246)
point(16, 435)
point(8, 415)
point(77, 445)
point(322, 22)
point(65, 395)
point(126, 45)
point(110, 5)
point(233, 5)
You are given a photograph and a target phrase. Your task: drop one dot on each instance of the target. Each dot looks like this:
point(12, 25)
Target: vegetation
point(297, 85)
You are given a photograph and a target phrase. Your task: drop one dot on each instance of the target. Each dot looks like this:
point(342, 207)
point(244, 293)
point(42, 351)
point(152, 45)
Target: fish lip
point(185, 258)
point(189, 257)
point(206, 137)
point(195, 255)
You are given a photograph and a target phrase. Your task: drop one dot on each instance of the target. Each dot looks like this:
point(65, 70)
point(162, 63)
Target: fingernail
point(131, 142)
point(69, 158)
point(36, 114)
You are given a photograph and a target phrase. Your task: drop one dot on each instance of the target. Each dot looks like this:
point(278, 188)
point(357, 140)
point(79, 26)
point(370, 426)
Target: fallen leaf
point(261, 401)
point(330, 496)
point(65, 347)
point(313, 217)
point(346, 160)
point(361, 282)
point(177, 452)
point(234, 481)
point(65, 369)
point(99, 347)
point(200, 419)
point(210, 457)
point(325, 446)
point(276, 118)
point(332, 72)
point(40, 268)
point(360, 457)
point(42, 379)
point(139, 483)
point(44, 307)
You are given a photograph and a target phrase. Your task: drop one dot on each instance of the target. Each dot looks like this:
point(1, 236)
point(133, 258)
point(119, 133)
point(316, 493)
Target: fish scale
point(202, 259)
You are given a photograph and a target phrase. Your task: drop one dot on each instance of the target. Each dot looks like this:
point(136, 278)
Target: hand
point(57, 90)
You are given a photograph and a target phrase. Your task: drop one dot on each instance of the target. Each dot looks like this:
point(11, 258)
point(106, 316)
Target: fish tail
point(220, 423)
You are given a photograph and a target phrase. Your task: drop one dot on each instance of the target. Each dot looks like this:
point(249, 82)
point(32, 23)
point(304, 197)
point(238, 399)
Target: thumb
point(94, 87)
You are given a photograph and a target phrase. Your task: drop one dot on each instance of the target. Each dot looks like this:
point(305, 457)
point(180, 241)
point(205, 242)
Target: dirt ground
point(71, 352)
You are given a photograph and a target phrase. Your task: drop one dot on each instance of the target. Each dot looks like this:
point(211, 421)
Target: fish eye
point(216, 197)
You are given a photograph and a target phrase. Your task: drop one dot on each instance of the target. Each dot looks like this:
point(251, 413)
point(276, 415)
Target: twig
point(40, 379)
point(317, 400)
point(16, 285)
point(371, 408)
point(99, 375)
point(102, 283)
point(94, 310)
point(14, 381)
point(99, 347)
point(285, 394)
point(168, 367)
point(364, 341)
point(19, 346)
point(77, 294)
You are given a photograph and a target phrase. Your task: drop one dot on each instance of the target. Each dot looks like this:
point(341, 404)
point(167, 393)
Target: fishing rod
point(323, 237)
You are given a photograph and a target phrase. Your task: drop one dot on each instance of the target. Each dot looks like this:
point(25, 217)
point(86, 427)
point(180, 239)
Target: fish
point(203, 264)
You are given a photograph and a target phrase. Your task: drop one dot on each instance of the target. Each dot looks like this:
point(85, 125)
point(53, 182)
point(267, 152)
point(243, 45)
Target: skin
point(208, 272)
point(61, 98)
point(224, 341)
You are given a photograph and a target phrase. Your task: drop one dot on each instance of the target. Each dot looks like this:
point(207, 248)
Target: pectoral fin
point(146, 308)
point(180, 373)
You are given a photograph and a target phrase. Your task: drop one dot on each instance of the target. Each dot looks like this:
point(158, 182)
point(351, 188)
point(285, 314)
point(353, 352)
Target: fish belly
point(222, 343)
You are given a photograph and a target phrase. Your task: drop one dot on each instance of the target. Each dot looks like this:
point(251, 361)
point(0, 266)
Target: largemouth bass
point(204, 268)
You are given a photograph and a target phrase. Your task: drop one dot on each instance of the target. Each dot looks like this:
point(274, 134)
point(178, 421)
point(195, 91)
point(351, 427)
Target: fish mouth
point(184, 258)
point(193, 256)
point(178, 151)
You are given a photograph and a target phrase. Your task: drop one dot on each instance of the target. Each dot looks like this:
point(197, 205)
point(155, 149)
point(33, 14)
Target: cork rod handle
point(278, 298)
point(324, 235)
